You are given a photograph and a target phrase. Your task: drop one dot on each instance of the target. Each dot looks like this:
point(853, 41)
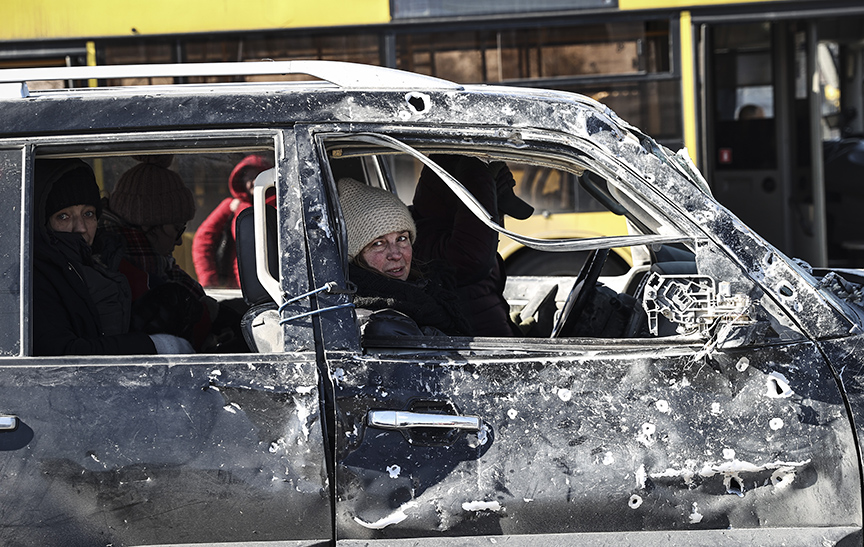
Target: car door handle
point(8, 423)
point(403, 419)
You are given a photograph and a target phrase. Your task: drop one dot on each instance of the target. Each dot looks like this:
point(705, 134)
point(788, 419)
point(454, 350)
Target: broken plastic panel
point(692, 303)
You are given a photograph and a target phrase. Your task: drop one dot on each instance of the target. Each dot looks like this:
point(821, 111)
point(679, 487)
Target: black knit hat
point(74, 187)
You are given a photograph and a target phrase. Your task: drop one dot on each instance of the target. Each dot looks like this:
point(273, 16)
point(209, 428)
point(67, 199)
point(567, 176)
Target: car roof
point(343, 92)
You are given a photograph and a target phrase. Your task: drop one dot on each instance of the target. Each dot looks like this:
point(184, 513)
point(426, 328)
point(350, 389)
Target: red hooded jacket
point(210, 233)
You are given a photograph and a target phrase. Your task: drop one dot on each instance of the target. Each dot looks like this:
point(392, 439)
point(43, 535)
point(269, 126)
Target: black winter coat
point(65, 318)
point(448, 231)
point(428, 301)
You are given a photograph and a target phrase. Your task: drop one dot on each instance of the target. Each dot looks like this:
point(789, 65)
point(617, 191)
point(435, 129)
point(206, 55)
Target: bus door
point(756, 162)
point(784, 144)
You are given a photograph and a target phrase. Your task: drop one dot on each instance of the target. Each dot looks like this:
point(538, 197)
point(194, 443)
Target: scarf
point(139, 252)
point(108, 290)
point(428, 302)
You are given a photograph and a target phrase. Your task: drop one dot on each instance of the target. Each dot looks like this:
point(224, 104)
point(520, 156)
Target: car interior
point(638, 282)
point(604, 294)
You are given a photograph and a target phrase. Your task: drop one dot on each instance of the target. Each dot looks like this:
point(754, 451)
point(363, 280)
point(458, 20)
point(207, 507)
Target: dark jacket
point(447, 230)
point(429, 301)
point(66, 320)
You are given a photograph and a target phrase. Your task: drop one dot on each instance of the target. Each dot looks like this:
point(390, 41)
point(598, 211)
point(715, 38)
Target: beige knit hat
point(150, 194)
point(370, 213)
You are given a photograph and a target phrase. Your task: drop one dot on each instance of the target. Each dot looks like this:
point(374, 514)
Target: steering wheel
point(581, 291)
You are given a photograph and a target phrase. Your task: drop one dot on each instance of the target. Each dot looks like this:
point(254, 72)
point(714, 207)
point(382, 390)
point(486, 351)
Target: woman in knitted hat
point(148, 209)
point(80, 307)
point(213, 250)
point(380, 234)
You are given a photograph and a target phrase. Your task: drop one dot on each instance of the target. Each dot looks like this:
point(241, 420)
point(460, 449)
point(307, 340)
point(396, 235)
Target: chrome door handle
point(8, 423)
point(403, 419)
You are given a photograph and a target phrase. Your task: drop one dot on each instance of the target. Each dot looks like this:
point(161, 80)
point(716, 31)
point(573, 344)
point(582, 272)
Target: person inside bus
point(380, 236)
point(148, 209)
point(80, 307)
point(213, 248)
point(448, 231)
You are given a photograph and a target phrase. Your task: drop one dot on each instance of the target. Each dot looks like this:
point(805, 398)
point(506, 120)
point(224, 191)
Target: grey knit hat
point(150, 194)
point(370, 213)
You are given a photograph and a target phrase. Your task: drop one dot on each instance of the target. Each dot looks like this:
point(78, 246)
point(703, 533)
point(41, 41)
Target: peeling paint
point(394, 518)
point(641, 477)
point(481, 506)
point(695, 515)
point(337, 376)
point(783, 473)
point(232, 408)
point(565, 394)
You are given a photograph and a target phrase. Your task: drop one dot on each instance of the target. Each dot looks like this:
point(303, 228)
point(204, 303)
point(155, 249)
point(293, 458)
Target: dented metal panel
point(163, 453)
point(597, 440)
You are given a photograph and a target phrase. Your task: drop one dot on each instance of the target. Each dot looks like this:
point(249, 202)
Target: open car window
point(157, 172)
point(631, 252)
point(477, 208)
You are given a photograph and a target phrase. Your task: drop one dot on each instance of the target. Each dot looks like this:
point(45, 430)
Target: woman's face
point(77, 219)
point(165, 237)
point(390, 255)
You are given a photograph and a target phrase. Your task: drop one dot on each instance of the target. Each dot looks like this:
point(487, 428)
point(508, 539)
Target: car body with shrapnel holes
point(709, 391)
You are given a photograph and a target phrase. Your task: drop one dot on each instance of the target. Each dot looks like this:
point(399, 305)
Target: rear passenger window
point(165, 221)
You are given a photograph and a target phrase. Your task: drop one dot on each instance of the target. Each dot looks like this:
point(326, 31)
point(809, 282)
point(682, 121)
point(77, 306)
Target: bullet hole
point(734, 486)
point(635, 501)
point(417, 101)
point(777, 386)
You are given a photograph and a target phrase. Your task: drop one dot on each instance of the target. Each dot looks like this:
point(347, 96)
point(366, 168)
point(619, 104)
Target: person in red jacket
point(213, 250)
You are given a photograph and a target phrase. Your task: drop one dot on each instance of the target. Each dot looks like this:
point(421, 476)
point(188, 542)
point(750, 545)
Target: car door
point(157, 449)
point(652, 438)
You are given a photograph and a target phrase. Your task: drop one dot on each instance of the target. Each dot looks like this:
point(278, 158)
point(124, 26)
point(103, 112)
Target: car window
point(669, 280)
point(11, 310)
point(190, 197)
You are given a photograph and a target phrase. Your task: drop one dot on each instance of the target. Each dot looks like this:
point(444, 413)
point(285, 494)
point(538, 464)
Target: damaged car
point(709, 393)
